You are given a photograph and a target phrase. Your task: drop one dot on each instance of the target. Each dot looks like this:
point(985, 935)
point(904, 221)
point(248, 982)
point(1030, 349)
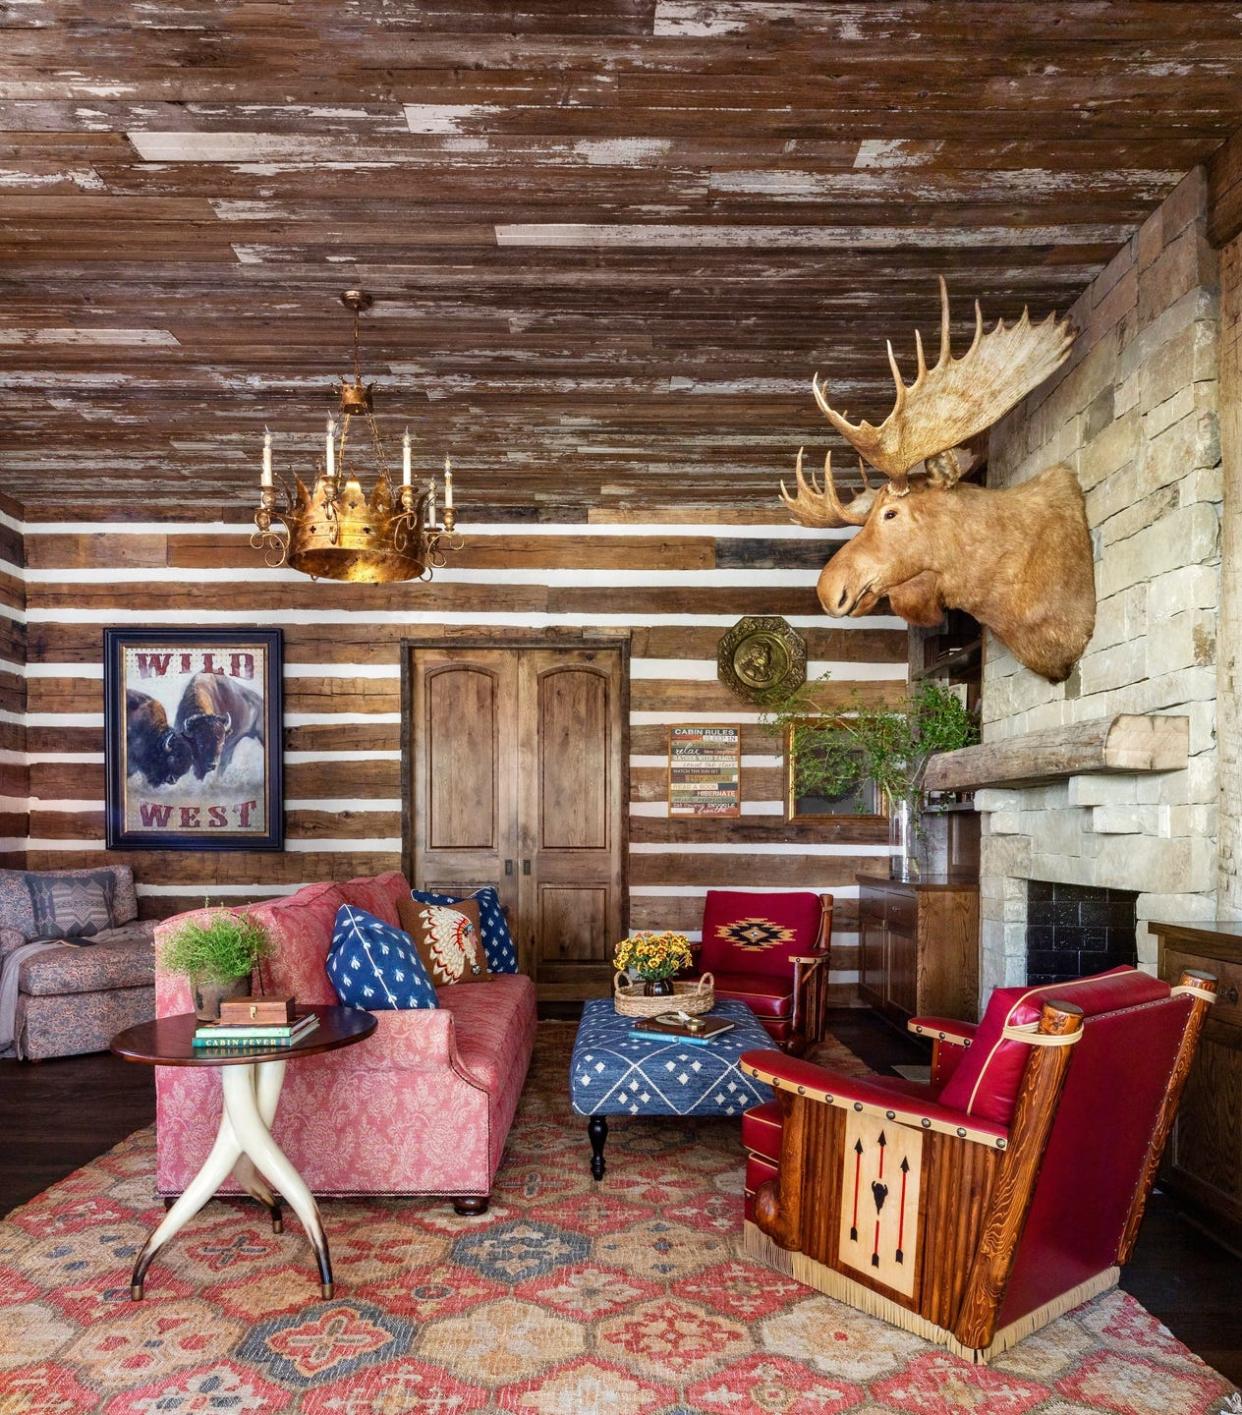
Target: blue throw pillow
point(374, 966)
point(497, 941)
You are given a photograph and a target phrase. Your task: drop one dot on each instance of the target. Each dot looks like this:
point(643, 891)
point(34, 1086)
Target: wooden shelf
point(1128, 742)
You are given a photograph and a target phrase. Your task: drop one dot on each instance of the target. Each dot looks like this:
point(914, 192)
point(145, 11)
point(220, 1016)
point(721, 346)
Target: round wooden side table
point(251, 1079)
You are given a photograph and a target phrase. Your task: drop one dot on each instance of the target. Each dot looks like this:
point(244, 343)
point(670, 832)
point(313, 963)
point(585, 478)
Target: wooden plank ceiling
point(610, 239)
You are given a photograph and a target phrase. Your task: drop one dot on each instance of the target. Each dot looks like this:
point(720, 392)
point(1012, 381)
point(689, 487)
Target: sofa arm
point(420, 1039)
point(803, 1078)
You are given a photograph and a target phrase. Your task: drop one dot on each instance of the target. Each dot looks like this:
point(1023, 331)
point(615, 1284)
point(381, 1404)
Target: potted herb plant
point(834, 750)
point(218, 955)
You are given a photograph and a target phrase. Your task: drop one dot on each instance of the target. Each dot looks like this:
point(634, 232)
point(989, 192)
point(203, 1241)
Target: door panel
point(573, 732)
point(517, 778)
point(571, 822)
point(462, 727)
point(463, 741)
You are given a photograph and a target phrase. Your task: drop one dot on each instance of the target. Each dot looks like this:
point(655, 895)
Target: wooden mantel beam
point(1126, 742)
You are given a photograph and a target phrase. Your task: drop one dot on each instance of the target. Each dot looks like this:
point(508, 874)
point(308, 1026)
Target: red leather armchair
point(976, 1209)
point(770, 951)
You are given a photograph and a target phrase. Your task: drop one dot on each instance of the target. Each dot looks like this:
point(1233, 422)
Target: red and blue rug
point(569, 1297)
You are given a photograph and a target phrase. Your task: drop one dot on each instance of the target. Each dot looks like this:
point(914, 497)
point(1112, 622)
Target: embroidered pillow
point(493, 929)
point(66, 904)
point(375, 967)
point(447, 942)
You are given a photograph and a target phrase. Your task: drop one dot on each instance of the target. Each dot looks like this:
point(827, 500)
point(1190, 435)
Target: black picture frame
point(179, 763)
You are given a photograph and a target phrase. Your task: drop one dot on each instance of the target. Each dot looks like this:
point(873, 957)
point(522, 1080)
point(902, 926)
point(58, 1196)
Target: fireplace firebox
point(1074, 930)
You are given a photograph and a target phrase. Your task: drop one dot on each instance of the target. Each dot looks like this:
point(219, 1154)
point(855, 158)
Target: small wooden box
point(238, 1011)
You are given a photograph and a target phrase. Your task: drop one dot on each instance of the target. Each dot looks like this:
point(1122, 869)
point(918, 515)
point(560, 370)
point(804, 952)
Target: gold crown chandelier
point(335, 532)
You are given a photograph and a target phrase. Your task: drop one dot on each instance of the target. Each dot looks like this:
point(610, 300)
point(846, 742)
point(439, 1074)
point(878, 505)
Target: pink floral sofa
point(422, 1107)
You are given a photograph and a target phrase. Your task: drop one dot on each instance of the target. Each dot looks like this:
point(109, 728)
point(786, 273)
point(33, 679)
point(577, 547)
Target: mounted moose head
point(1019, 560)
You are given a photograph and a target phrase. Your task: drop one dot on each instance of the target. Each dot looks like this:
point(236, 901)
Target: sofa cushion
point(985, 1084)
point(48, 903)
point(765, 996)
point(488, 1025)
point(301, 928)
point(497, 941)
point(374, 966)
point(378, 895)
point(119, 958)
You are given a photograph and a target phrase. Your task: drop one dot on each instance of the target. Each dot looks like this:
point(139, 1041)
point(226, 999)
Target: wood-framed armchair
point(771, 952)
point(976, 1209)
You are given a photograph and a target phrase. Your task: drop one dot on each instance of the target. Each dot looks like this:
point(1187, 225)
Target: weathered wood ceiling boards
point(610, 239)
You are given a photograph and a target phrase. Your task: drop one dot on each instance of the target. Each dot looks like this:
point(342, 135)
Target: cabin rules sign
point(192, 739)
point(704, 771)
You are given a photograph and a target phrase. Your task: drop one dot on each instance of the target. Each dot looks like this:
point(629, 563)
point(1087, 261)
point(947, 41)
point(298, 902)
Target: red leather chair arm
point(788, 1073)
point(944, 1029)
point(950, 1040)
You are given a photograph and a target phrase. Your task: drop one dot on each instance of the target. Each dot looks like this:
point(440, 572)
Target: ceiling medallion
point(762, 659)
point(336, 532)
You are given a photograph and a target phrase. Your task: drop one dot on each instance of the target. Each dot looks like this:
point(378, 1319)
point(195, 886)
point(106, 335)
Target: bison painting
point(216, 714)
point(152, 748)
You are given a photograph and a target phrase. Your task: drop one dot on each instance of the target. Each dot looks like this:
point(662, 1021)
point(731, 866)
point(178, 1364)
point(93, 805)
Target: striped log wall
point(674, 587)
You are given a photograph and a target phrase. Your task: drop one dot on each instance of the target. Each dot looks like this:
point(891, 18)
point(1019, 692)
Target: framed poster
point(705, 771)
point(192, 739)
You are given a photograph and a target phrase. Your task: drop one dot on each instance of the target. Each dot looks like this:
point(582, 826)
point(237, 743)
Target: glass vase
point(903, 836)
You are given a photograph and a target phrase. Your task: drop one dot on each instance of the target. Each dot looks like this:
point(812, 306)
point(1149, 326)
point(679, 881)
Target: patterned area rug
point(625, 1298)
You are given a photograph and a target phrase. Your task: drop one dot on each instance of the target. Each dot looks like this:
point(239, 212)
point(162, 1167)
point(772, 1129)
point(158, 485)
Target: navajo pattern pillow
point(493, 929)
point(374, 967)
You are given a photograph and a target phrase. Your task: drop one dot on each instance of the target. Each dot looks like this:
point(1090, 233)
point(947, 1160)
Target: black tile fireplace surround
point(1074, 930)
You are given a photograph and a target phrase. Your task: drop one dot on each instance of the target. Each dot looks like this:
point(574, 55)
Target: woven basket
point(629, 1000)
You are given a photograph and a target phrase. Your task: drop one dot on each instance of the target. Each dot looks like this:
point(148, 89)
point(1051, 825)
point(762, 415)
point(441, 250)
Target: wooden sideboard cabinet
point(919, 947)
point(1203, 1163)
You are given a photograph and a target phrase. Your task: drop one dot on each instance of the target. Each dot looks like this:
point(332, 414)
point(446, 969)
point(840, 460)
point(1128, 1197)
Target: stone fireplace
point(1135, 413)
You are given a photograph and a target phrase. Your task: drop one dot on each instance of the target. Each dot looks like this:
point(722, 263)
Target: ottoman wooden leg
point(597, 1131)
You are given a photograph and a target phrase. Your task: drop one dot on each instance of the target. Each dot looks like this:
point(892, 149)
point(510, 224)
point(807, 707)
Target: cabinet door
point(871, 945)
point(1205, 1152)
point(903, 954)
point(463, 753)
point(571, 778)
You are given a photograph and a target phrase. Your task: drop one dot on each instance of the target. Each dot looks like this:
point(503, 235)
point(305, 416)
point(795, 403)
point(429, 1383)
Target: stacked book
point(669, 1026)
point(264, 1036)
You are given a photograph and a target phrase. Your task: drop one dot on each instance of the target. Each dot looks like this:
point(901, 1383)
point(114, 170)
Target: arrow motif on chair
point(879, 1192)
point(901, 1213)
point(858, 1153)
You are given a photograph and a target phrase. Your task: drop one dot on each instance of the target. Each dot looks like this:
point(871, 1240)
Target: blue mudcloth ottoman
point(612, 1073)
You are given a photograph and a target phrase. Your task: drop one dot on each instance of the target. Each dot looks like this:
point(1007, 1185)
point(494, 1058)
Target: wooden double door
point(516, 760)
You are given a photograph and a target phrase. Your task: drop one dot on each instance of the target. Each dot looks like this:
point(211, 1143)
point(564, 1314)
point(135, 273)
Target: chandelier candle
point(448, 486)
point(334, 530)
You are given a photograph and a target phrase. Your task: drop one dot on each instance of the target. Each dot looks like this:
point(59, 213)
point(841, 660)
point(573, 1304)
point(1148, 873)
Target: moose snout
point(837, 591)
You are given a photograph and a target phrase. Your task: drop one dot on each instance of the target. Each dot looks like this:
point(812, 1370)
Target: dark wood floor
point(58, 1115)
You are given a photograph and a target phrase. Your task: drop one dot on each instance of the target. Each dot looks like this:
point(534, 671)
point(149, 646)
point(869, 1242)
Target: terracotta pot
point(658, 987)
point(208, 995)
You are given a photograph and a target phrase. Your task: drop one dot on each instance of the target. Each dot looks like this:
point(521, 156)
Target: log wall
point(674, 588)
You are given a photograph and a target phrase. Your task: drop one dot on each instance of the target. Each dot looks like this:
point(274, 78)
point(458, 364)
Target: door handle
point(508, 867)
point(526, 867)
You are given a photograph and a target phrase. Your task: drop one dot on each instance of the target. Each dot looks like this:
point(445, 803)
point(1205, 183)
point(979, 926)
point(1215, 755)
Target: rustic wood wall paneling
point(14, 765)
point(611, 240)
point(674, 590)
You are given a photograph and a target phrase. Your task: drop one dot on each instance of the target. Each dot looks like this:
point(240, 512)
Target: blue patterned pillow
point(375, 967)
point(497, 942)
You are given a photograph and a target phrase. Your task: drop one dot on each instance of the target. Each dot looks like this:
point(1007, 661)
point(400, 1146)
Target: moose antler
point(821, 507)
point(957, 398)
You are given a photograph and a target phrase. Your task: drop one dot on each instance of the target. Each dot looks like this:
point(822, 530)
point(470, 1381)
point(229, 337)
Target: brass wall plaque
point(762, 659)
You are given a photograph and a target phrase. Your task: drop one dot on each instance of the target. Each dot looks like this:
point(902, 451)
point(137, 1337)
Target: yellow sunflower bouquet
point(655, 957)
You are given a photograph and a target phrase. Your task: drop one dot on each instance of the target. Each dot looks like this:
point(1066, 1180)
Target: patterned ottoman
point(613, 1074)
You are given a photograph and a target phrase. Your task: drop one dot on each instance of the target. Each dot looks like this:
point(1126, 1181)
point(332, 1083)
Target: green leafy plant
point(834, 751)
point(225, 947)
